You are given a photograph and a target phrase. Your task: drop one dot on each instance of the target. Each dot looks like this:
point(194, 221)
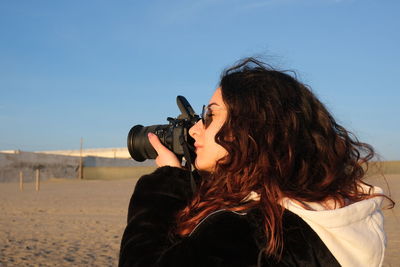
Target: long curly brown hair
point(281, 142)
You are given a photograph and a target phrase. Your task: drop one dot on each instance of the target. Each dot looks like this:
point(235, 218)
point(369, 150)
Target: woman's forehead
point(216, 98)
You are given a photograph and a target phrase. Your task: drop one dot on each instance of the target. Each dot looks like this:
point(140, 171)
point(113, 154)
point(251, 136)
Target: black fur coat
point(224, 238)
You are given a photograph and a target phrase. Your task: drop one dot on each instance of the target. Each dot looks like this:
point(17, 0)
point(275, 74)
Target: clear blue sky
point(94, 68)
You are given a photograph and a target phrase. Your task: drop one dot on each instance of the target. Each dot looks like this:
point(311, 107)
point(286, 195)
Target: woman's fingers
point(156, 143)
point(165, 156)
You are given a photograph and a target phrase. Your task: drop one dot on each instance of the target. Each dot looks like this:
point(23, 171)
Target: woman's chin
point(203, 167)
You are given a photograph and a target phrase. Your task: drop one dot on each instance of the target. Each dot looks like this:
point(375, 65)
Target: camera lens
point(138, 143)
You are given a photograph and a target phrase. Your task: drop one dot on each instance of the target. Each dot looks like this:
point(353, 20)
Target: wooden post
point(37, 179)
point(81, 162)
point(21, 181)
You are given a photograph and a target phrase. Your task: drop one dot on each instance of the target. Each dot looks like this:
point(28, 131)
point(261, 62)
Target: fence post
point(81, 161)
point(21, 181)
point(37, 179)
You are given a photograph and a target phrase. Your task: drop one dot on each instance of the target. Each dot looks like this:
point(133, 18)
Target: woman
point(280, 185)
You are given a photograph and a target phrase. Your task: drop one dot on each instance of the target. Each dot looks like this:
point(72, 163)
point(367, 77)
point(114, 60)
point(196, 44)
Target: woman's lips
point(197, 146)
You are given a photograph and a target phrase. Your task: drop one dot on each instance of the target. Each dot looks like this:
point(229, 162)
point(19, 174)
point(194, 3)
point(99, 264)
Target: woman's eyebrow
point(212, 104)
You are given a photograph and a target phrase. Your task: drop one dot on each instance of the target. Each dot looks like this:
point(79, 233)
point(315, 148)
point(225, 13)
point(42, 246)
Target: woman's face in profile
point(207, 150)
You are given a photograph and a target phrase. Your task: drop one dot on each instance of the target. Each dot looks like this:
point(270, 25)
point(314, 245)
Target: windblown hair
point(281, 142)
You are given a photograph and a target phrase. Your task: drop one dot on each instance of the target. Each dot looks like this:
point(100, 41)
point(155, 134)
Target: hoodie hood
point(354, 234)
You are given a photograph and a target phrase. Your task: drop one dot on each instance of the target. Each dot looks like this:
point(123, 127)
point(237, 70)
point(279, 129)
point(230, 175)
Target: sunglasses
point(206, 115)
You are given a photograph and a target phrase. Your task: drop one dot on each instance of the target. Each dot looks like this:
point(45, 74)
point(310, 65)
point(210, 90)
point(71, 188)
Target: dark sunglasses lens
point(206, 117)
point(202, 114)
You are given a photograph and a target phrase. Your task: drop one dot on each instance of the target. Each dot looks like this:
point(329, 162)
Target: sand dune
point(66, 223)
point(80, 223)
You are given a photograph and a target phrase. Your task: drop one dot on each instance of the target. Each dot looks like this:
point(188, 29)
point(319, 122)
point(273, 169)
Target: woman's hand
point(165, 156)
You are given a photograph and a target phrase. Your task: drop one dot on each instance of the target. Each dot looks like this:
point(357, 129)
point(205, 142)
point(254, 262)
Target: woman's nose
point(194, 130)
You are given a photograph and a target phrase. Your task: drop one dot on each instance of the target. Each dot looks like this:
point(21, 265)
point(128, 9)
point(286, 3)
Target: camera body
point(174, 135)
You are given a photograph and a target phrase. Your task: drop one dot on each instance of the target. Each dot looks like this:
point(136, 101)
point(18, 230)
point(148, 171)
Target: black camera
point(175, 135)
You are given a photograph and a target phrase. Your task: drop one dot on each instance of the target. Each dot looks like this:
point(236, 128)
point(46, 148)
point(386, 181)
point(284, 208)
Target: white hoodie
point(354, 234)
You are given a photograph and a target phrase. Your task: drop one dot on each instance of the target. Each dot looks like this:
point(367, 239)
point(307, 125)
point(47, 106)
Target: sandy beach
point(80, 223)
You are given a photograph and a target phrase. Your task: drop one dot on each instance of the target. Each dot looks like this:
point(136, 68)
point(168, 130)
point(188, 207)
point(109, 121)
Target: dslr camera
point(174, 135)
